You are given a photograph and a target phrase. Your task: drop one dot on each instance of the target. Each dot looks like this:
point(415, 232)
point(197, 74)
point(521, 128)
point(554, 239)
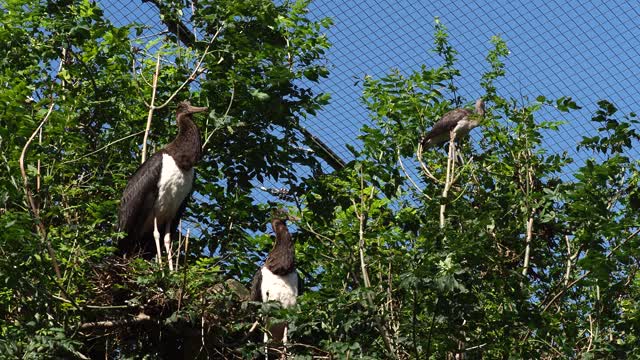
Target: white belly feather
point(174, 186)
point(283, 289)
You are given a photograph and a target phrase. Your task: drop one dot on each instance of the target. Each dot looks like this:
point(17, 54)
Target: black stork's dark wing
point(137, 204)
point(441, 129)
point(256, 285)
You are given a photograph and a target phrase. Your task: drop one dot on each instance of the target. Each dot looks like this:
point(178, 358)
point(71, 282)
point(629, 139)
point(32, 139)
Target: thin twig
point(96, 307)
point(104, 147)
point(571, 284)
point(38, 163)
point(425, 170)
point(406, 174)
point(317, 349)
point(475, 347)
point(196, 71)
point(179, 245)
point(233, 91)
point(141, 73)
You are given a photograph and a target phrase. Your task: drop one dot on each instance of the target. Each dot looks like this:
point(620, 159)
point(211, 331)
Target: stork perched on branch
point(156, 195)
point(455, 123)
point(278, 280)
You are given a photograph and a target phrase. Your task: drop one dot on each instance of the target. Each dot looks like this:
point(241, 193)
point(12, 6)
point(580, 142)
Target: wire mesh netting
point(585, 51)
point(588, 51)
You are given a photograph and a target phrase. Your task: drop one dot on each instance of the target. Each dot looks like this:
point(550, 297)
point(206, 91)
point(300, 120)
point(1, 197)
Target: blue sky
point(586, 50)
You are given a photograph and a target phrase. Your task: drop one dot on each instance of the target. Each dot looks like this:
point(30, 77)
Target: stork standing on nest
point(277, 280)
point(455, 123)
point(157, 193)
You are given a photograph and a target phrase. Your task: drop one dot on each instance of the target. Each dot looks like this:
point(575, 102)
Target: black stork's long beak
point(195, 109)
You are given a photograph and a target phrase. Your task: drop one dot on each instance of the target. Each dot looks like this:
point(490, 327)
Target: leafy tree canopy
point(495, 252)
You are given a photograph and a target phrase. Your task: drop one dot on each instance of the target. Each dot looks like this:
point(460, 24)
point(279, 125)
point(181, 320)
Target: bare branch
point(569, 261)
point(425, 170)
point(571, 284)
point(449, 176)
point(108, 324)
point(104, 147)
point(406, 174)
point(527, 250)
point(196, 71)
point(154, 88)
point(223, 116)
point(32, 204)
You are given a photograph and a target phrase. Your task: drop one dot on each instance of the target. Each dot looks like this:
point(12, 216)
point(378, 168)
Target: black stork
point(277, 280)
point(157, 193)
point(455, 123)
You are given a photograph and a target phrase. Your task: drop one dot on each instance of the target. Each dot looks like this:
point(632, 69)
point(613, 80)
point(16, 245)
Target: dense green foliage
point(531, 261)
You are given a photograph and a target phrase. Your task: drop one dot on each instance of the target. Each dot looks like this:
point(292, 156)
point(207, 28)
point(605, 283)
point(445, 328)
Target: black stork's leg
point(285, 340)
point(265, 338)
point(167, 244)
point(156, 236)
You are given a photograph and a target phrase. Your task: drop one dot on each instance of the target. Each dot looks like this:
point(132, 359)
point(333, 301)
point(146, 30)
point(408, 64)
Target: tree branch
point(226, 113)
point(571, 284)
point(104, 147)
point(32, 204)
point(154, 87)
point(180, 30)
point(108, 324)
point(425, 170)
point(406, 174)
point(527, 250)
point(320, 148)
point(449, 177)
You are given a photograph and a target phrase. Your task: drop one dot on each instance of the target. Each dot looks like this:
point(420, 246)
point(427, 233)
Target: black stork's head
point(185, 109)
point(282, 215)
point(186, 147)
point(480, 107)
point(281, 259)
point(279, 218)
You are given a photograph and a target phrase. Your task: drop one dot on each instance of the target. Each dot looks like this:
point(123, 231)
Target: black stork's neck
point(281, 259)
point(185, 148)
